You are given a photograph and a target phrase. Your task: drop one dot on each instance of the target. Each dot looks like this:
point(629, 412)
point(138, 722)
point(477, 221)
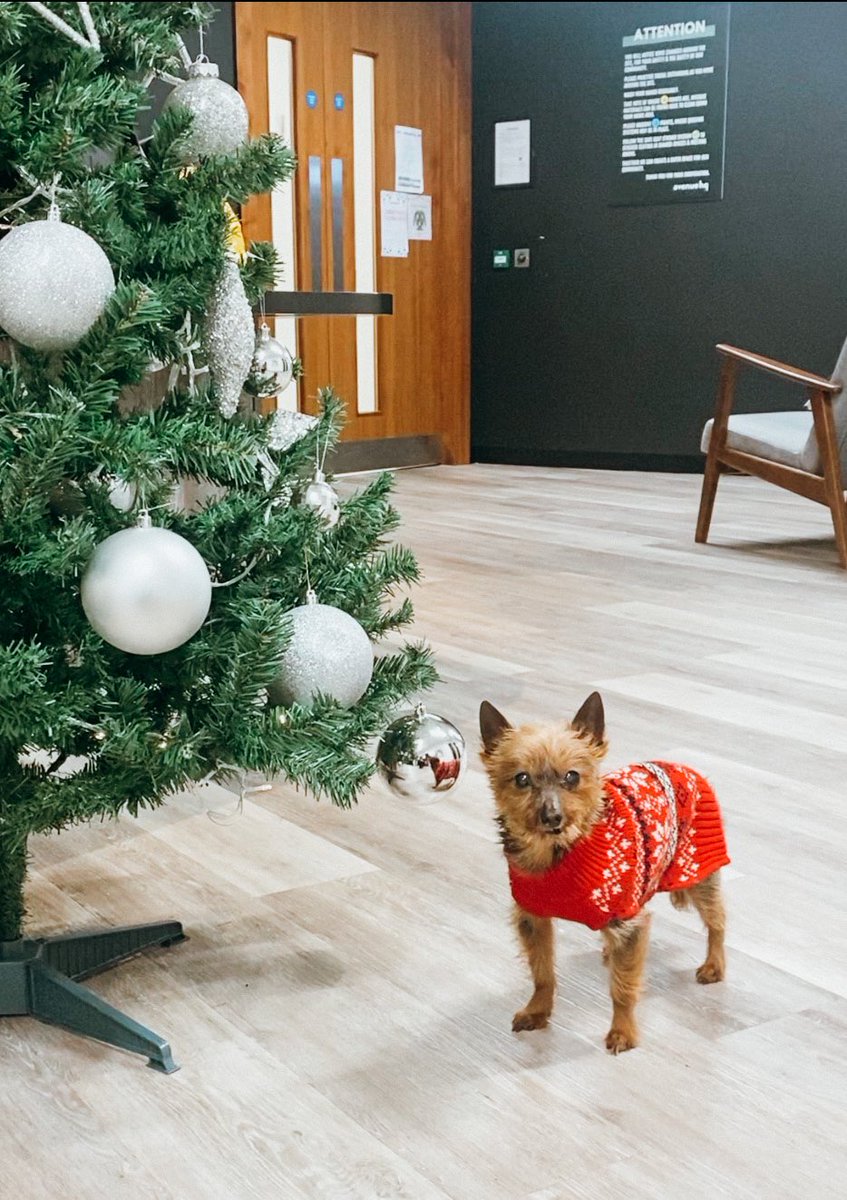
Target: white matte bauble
point(421, 756)
point(329, 653)
point(320, 496)
point(220, 115)
point(146, 590)
point(121, 494)
point(55, 282)
point(272, 368)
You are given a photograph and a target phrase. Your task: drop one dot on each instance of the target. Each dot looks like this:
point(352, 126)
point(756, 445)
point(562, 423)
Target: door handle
point(316, 220)
point(337, 184)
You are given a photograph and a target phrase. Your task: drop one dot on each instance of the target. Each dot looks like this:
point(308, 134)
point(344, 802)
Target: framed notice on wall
point(673, 82)
point(512, 153)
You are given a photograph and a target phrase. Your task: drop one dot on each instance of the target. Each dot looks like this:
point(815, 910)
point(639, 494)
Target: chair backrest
point(810, 458)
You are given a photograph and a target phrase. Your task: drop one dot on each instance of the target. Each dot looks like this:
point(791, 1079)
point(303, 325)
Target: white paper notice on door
point(420, 218)
point(394, 224)
point(408, 159)
point(511, 153)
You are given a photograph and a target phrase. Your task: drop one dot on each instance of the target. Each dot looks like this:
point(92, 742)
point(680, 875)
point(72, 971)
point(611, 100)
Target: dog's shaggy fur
point(548, 791)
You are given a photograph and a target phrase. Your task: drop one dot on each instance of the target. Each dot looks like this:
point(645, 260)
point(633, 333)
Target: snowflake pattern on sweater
point(661, 831)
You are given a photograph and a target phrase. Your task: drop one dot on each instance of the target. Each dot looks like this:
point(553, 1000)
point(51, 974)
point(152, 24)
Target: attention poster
point(673, 78)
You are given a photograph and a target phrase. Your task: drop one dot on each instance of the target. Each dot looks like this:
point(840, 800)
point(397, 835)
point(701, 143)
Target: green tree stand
point(40, 977)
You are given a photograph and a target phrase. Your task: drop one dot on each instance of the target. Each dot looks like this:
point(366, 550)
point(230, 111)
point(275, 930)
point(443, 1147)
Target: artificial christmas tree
point(117, 711)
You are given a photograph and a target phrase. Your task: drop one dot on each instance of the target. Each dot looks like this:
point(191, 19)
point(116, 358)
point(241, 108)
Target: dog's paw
point(710, 972)
point(529, 1020)
point(619, 1040)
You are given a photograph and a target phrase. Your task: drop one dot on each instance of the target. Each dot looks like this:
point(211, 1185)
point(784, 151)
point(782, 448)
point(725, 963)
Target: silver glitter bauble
point(55, 282)
point(220, 115)
point(288, 427)
point(320, 496)
point(272, 368)
point(146, 590)
point(421, 755)
point(329, 652)
point(228, 338)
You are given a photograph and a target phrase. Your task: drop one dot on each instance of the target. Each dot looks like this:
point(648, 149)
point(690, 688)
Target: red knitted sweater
point(661, 831)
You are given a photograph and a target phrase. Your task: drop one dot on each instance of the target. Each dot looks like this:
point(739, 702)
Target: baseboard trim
point(689, 464)
point(382, 454)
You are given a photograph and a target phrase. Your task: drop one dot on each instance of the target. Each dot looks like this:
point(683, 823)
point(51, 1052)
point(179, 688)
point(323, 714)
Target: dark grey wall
point(602, 353)
point(220, 40)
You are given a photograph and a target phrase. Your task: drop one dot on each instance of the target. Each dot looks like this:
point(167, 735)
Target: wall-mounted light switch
point(522, 257)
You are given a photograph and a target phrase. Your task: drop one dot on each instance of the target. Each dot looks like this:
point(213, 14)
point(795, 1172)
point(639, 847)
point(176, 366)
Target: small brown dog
point(595, 849)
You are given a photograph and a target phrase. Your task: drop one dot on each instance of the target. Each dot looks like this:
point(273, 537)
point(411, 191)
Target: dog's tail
point(680, 900)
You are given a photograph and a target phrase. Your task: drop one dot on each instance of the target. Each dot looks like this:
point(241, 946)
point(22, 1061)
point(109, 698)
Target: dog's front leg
point(626, 942)
point(536, 934)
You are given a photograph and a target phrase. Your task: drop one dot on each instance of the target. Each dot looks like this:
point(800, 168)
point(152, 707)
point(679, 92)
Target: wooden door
point(418, 57)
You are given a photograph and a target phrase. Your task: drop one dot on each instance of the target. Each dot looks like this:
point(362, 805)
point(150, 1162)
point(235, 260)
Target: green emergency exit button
point(502, 259)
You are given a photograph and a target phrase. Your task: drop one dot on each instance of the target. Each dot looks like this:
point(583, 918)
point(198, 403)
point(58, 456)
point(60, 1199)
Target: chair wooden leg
point(839, 522)
point(714, 468)
point(711, 476)
point(831, 462)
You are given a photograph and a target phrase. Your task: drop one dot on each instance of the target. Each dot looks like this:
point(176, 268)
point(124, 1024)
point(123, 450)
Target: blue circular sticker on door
point(312, 99)
point(339, 101)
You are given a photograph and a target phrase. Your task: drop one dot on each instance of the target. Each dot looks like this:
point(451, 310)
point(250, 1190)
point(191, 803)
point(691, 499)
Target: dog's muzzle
point(551, 812)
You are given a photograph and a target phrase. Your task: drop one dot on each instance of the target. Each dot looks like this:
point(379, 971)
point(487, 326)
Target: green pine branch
point(86, 730)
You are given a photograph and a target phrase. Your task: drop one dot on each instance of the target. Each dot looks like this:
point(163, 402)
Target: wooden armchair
point(805, 452)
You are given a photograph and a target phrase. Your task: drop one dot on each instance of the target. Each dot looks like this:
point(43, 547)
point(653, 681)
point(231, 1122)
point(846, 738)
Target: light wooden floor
point(342, 1009)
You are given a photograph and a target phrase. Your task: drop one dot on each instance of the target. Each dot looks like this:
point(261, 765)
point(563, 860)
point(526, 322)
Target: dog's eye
point(523, 780)
point(571, 779)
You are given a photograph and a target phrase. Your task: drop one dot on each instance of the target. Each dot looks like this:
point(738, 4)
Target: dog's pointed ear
point(590, 719)
point(492, 725)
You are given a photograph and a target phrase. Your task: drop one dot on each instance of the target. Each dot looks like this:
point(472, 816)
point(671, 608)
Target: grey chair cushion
point(839, 412)
point(788, 437)
point(781, 437)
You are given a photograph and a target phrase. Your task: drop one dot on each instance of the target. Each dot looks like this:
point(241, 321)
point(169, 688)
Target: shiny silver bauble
point(220, 115)
point(146, 590)
point(421, 756)
point(272, 368)
point(321, 497)
point(55, 282)
point(329, 653)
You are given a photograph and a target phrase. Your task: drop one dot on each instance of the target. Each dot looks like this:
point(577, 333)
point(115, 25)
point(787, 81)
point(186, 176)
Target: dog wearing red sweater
point(595, 848)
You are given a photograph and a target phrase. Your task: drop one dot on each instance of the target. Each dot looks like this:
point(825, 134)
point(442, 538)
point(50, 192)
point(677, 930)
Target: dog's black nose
point(551, 812)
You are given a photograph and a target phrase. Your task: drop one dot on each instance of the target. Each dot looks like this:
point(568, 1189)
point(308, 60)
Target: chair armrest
point(782, 370)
